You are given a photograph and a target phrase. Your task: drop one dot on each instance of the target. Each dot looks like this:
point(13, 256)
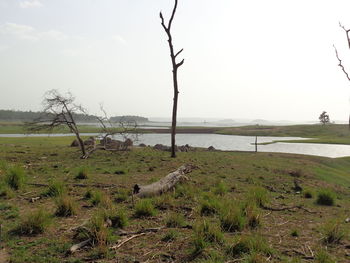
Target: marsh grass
point(15, 177)
point(175, 220)
point(66, 206)
point(56, 188)
point(34, 223)
point(326, 197)
point(333, 232)
point(82, 173)
point(144, 208)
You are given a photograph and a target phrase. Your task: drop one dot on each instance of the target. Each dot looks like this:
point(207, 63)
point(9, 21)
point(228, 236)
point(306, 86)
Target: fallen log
point(165, 184)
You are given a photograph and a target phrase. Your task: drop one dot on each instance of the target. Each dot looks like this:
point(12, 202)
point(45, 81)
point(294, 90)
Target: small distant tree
point(58, 110)
point(175, 65)
point(324, 118)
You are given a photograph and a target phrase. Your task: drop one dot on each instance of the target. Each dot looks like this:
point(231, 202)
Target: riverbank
point(326, 134)
point(220, 178)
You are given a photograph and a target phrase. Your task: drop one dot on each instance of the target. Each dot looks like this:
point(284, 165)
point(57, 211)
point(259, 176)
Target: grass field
point(235, 207)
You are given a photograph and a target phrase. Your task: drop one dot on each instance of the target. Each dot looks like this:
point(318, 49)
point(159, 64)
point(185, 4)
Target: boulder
point(211, 148)
point(74, 143)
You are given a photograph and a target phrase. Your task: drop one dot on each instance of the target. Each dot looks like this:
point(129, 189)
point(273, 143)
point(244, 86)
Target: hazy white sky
point(270, 59)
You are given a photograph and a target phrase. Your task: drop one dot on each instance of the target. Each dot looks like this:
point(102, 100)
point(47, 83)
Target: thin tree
point(347, 33)
point(58, 110)
point(324, 118)
point(175, 66)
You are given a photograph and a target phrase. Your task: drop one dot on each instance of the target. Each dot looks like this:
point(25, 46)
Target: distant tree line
point(28, 116)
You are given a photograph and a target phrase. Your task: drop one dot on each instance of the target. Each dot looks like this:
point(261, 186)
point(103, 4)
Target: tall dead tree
point(58, 110)
point(175, 66)
point(347, 33)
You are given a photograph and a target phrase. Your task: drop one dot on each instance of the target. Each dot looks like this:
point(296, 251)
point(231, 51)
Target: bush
point(308, 194)
point(232, 219)
point(15, 177)
point(65, 206)
point(326, 197)
point(56, 188)
point(88, 194)
point(333, 232)
point(175, 220)
point(34, 223)
point(294, 233)
point(144, 208)
point(82, 173)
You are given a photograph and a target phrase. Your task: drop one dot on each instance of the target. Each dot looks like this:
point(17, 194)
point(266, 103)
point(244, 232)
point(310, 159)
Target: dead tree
point(175, 66)
point(58, 110)
point(347, 33)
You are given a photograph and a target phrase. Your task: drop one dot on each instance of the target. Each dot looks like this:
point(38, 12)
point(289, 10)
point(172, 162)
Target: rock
point(142, 145)
point(128, 143)
point(211, 148)
point(90, 142)
point(105, 140)
point(347, 220)
point(74, 143)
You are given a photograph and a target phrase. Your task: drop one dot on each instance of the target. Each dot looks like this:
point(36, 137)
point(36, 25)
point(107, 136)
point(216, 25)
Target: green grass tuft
point(15, 177)
point(144, 208)
point(326, 197)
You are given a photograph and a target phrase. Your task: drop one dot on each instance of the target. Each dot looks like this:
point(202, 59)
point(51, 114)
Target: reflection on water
point(231, 143)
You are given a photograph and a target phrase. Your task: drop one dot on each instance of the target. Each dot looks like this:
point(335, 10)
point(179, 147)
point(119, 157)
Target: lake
point(231, 143)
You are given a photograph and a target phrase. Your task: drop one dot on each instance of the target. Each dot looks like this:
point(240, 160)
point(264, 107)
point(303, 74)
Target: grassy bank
point(221, 214)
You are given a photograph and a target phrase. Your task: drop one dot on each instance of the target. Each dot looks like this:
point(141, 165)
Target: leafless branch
point(340, 63)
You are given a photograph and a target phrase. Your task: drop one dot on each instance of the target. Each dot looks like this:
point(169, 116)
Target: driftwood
point(75, 247)
point(122, 242)
point(165, 184)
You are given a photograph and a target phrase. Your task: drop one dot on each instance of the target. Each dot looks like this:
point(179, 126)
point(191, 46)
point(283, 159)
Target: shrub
point(82, 173)
point(333, 232)
point(175, 220)
point(34, 223)
point(88, 194)
point(15, 177)
point(65, 206)
point(144, 208)
point(56, 188)
point(232, 219)
point(326, 197)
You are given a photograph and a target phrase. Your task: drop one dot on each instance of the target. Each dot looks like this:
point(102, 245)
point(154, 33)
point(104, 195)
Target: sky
point(251, 59)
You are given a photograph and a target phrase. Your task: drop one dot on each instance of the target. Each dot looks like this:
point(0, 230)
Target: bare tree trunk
point(175, 68)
